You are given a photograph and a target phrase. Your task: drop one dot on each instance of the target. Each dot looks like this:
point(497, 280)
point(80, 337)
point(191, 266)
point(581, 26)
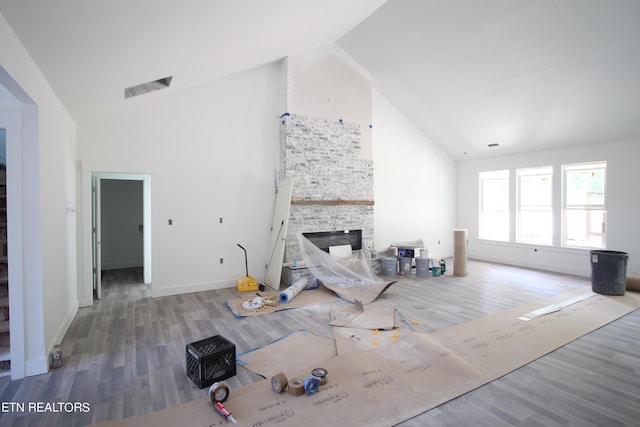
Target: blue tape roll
point(284, 297)
point(311, 385)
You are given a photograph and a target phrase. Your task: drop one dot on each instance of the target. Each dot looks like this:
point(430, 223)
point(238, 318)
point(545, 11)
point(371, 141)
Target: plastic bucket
point(405, 266)
point(608, 272)
point(389, 266)
point(422, 267)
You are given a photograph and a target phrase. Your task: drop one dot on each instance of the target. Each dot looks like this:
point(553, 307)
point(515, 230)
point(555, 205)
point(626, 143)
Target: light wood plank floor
point(125, 355)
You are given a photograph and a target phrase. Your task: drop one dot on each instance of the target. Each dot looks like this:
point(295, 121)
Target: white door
point(96, 236)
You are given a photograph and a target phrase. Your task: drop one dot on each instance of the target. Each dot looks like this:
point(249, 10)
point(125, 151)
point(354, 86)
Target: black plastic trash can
point(609, 272)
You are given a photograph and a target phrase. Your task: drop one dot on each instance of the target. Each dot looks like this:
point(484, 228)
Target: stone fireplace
point(332, 183)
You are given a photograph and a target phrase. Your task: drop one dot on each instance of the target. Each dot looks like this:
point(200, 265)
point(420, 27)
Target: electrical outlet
point(221, 260)
point(220, 220)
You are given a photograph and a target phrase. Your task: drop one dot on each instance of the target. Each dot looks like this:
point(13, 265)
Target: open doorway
point(121, 224)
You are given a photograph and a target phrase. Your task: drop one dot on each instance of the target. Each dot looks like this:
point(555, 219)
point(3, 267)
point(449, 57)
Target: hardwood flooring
point(125, 355)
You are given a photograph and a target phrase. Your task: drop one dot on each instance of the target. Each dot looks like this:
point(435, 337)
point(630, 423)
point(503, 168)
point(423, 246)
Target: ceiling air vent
point(147, 87)
point(495, 144)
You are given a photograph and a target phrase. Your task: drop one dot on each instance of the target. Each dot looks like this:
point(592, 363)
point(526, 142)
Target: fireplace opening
point(325, 239)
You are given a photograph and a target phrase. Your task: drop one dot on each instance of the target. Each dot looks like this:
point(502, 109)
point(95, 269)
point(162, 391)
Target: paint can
point(389, 266)
point(56, 357)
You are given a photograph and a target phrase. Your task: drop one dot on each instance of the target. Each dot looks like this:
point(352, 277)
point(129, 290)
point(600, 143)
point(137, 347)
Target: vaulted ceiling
point(526, 74)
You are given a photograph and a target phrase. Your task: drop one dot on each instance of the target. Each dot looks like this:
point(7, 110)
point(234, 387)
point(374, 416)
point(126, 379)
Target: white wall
point(212, 153)
point(623, 207)
point(414, 180)
point(414, 184)
point(48, 205)
point(327, 83)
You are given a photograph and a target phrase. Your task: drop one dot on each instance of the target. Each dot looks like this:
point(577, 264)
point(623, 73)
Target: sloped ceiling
point(526, 74)
point(91, 50)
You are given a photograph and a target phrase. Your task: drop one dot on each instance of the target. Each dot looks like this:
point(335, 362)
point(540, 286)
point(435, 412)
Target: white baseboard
point(57, 339)
point(191, 287)
point(36, 366)
point(555, 268)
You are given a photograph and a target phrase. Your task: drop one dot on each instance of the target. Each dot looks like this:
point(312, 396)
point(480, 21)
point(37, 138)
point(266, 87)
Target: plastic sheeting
point(343, 272)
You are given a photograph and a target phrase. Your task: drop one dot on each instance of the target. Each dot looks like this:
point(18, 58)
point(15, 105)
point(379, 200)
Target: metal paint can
point(56, 357)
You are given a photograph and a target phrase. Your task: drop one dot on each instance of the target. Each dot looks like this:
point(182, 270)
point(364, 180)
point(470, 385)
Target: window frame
point(588, 207)
point(521, 209)
point(495, 175)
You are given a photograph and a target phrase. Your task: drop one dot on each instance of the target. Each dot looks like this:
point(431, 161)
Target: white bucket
point(422, 267)
point(389, 266)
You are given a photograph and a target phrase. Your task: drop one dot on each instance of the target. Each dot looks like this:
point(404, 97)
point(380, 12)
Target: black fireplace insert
point(325, 239)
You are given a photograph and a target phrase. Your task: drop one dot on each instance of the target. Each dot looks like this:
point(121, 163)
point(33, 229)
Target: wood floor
point(125, 355)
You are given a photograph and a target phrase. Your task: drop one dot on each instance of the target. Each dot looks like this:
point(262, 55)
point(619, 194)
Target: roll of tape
point(279, 382)
point(321, 374)
point(311, 385)
point(296, 387)
point(218, 392)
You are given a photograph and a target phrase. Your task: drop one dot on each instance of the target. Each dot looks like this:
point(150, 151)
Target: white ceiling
point(527, 74)
point(91, 50)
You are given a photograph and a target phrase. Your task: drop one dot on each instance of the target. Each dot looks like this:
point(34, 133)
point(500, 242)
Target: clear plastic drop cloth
point(343, 272)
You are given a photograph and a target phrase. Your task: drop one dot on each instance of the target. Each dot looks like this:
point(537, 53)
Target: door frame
point(20, 117)
point(95, 172)
point(11, 122)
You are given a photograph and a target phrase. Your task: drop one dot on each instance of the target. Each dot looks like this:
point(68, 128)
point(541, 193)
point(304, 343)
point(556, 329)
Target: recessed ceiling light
point(495, 144)
point(143, 88)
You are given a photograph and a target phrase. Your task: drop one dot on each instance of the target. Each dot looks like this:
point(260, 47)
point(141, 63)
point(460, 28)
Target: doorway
point(19, 121)
point(125, 226)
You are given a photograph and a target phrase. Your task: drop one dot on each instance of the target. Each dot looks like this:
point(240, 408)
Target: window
point(584, 210)
point(535, 208)
point(494, 205)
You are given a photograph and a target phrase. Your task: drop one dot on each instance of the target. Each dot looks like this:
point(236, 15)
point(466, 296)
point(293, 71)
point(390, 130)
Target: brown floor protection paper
point(393, 383)
point(299, 349)
point(364, 293)
point(359, 316)
point(319, 295)
point(350, 340)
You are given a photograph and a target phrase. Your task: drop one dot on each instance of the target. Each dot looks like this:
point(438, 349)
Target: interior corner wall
point(210, 151)
point(414, 184)
point(48, 205)
point(623, 207)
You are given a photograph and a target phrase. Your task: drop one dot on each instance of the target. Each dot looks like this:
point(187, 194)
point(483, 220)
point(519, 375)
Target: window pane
point(494, 226)
point(585, 227)
point(536, 227)
point(535, 190)
point(495, 195)
point(535, 198)
point(535, 186)
point(494, 205)
point(584, 205)
point(586, 186)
